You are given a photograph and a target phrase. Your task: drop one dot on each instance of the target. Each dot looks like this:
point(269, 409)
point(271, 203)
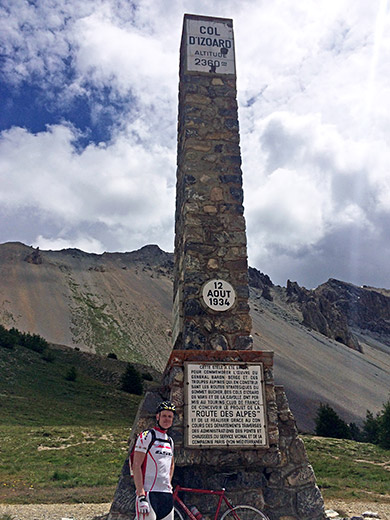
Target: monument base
point(277, 479)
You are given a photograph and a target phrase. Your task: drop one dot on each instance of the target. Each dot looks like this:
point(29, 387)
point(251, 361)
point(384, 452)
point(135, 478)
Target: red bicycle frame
point(220, 494)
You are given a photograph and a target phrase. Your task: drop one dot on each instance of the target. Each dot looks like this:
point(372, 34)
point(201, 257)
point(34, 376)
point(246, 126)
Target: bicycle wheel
point(244, 513)
point(177, 515)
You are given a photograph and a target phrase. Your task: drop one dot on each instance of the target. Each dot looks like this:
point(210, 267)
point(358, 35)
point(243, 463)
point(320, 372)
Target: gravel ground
point(89, 511)
point(54, 511)
point(358, 508)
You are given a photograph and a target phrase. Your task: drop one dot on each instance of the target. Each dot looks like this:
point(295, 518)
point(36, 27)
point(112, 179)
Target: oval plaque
point(218, 295)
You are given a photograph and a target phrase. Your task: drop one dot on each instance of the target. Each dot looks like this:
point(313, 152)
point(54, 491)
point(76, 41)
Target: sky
point(88, 120)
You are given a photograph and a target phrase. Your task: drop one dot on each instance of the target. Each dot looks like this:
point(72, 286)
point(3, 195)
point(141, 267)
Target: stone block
point(275, 478)
point(234, 179)
point(301, 476)
point(233, 159)
point(310, 504)
point(237, 194)
point(281, 399)
point(192, 307)
point(297, 451)
point(210, 209)
point(216, 194)
point(219, 342)
point(177, 395)
point(221, 136)
point(221, 91)
point(243, 343)
point(192, 262)
point(191, 132)
point(212, 263)
point(227, 112)
point(242, 291)
point(189, 290)
point(237, 209)
point(277, 499)
point(269, 393)
point(211, 157)
point(193, 337)
point(222, 251)
point(174, 377)
point(231, 124)
point(198, 145)
point(189, 179)
point(196, 99)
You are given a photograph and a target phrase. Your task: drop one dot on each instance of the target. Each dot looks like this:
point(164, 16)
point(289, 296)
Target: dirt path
point(89, 511)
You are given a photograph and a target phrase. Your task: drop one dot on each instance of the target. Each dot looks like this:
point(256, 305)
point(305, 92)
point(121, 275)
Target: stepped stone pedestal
point(234, 428)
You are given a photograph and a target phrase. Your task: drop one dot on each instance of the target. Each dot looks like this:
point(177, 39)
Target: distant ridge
point(331, 344)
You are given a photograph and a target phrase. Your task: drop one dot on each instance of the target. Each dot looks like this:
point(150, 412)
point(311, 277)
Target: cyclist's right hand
point(143, 505)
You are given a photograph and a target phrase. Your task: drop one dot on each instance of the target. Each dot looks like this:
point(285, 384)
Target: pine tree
point(329, 424)
point(132, 381)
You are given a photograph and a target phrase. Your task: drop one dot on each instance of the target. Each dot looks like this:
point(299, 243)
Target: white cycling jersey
point(157, 469)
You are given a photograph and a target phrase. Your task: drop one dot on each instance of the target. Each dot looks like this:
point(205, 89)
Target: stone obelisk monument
point(234, 428)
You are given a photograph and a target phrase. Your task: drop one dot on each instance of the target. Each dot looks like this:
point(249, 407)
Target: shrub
point(356, 433)
point(371, 428)
point(48, 355)
point(384, 427)
point(33, 342)
point(132, 381)
point(71, 374)
point(7, 340)
point(329, 424)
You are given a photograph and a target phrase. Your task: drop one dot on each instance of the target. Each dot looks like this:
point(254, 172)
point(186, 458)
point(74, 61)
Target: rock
point(261, 281)
point(321, 312)
point(370, 514)
point(34, 258)
point(330, 513)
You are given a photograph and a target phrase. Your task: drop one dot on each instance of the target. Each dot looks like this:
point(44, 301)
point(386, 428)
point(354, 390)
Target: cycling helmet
point(166, 405)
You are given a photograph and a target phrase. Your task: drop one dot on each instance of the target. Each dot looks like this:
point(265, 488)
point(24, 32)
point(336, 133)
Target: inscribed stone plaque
point(210, 46)
point(224, 405)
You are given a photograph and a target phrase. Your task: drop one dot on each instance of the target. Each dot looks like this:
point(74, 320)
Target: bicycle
point(241, 512)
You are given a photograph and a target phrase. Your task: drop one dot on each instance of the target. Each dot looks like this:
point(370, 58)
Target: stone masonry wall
point(278, 479)
point(210, 226)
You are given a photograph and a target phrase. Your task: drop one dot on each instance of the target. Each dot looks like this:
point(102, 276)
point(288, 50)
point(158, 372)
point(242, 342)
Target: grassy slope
point(36, 392)
point(60, 440)
point(63, 441)
point(350, 470)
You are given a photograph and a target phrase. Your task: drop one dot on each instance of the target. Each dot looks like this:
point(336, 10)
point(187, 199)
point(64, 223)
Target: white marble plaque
point(218, 295)
point(210, 46)
point(224, 405)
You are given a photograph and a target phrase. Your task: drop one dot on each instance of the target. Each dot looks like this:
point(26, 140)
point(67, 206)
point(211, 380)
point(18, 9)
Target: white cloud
point(314, 89)
point(121, 185)
point(55, 244)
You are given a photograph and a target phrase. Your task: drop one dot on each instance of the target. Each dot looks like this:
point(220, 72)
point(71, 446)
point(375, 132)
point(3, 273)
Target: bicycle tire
point(244, 513)
point(177, 515)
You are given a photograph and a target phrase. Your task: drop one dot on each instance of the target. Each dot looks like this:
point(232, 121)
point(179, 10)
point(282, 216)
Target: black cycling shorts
point(162, 503)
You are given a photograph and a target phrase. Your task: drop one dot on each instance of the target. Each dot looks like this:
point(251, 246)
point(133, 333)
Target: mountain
point(331, 344)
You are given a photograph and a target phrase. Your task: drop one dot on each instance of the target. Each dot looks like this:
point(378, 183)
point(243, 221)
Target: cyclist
point(153, 467)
